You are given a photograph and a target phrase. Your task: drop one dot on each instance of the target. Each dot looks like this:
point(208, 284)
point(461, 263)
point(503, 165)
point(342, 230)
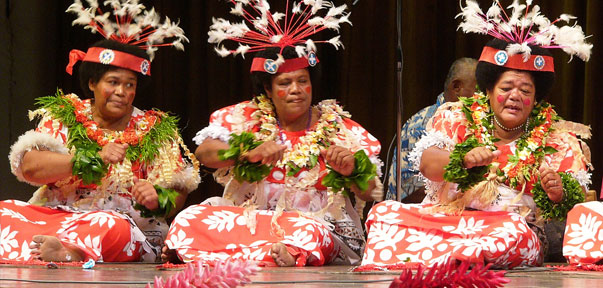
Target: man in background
point(460, 82)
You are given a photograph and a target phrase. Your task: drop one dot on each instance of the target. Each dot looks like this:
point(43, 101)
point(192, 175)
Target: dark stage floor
point(135, 275)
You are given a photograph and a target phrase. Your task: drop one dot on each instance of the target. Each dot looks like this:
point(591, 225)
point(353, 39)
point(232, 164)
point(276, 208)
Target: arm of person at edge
point(46, 167)
point(435, 159)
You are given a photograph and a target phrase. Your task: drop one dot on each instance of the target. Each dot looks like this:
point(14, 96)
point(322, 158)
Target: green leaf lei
point(87, 163)
point(572, 195)
point(244, 170)
point(364, 171)
point(167, 202)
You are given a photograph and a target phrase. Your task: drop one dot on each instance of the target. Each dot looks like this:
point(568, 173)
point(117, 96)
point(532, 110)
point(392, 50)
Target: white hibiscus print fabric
point(101, 235)
point(211, 233)
point(583, 240)
point(400, 233)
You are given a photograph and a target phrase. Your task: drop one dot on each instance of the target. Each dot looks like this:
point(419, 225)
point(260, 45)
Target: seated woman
point(282, 160)
point(109, 173)
point(583, 239)
point(533, 160)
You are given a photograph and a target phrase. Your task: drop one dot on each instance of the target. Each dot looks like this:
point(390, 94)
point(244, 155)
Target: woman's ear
point(268, 90)
point(91, 84)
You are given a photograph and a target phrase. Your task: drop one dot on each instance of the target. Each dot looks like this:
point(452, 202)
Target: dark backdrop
point(36, 37)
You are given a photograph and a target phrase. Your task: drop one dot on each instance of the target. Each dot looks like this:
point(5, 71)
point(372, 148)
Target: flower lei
point(303, 154)
point(132, 135)
point(522, 165)
point(530, 147)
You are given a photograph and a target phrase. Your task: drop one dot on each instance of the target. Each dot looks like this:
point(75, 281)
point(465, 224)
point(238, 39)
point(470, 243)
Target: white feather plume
point(132, 21)
point(279, 60)
point(525, 26)
point(296, 9)
point(237, 10)
point(276, 38)
point(300, 50)
point(310, 46)
point(242, 49)
point(223, 52)
point(336, 42)
point(277, 16)
point(305, 18)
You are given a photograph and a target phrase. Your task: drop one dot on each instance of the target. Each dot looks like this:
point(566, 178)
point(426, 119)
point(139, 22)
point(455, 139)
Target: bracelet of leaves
point(364, 171)
point(572, 195)
point(88, 165)
point(167, 202)
point(456, 172)
point(244, 170)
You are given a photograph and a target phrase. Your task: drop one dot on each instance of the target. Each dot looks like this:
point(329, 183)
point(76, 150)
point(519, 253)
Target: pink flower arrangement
point(226, 274)
point(450, 275)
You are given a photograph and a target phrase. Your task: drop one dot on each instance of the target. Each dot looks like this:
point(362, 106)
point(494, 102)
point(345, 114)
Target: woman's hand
point(479, 156)
point(113, 153)
point(340, 159)
point(145, 194)
point(551, 183)
point(268, 153)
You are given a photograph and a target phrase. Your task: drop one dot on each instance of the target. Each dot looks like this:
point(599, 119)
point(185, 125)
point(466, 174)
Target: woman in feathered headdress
point(283, 161)
point(495, 164)
point(109, 173)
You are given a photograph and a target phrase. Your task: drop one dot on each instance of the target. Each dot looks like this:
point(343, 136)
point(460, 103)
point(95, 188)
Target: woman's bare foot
point(281, 256)
point(169, 255)
point(50, 248)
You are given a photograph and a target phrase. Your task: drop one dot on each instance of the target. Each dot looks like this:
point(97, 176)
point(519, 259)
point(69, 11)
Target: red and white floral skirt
point(401, 234)
point(583, 240)
point(101, 235)
point(211, 233)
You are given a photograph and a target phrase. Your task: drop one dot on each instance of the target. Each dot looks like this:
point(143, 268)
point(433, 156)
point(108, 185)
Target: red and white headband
point(517, 61)
point(278, 30)
point(109, 57)
point(287, 65)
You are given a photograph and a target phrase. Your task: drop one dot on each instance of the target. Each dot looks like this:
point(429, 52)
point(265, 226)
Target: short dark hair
point(94, 71)
point(260, 79)
point(487, 74)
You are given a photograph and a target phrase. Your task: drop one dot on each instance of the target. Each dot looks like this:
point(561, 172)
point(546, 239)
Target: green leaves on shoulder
point(59, 106)
point(244, 170)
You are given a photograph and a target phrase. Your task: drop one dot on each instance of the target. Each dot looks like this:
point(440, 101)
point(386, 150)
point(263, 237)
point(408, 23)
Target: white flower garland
point(305, 153)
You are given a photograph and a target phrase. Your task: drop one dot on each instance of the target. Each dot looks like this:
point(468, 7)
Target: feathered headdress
point(522, 27)
point(133, 26)
point(278, 30)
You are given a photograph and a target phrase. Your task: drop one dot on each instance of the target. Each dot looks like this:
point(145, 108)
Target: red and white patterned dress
point(403, 233)
point(98, 219)
point(315, 227)
point(583, 240)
